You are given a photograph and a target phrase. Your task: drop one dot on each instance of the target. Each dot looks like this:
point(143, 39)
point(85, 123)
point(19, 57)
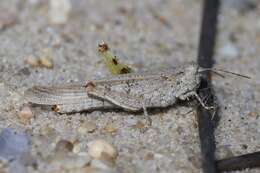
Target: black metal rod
point(240, 162)
point(206, 131)
point(208, 33)
point(205, 59)
point(205, 123)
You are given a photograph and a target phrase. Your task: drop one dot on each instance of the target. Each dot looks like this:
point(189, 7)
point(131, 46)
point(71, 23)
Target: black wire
point(205, 59)
point(206, 124)
point(240, 162)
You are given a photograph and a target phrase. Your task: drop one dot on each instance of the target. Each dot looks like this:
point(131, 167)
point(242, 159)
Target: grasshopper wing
point(66, 94)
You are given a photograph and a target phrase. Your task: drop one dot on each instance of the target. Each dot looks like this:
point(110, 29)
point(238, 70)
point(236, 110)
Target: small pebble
point(45, 59)
point(25, 115)
point(45, 62)
point(99, 146)
point(63, 146)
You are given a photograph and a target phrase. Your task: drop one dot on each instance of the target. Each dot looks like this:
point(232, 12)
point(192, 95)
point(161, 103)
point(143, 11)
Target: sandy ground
point(148, 35)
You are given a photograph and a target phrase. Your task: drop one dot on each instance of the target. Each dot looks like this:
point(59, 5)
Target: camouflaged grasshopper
point(131, 92)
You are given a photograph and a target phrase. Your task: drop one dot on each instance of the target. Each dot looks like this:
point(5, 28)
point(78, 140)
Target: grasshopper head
point(190, 73)
point(188, 80)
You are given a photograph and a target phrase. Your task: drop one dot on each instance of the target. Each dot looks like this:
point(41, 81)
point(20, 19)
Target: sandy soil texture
point(39, 48)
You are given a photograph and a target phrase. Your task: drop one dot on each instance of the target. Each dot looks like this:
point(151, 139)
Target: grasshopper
point(132, 92)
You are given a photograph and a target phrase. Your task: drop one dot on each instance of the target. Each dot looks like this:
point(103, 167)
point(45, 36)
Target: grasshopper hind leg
point(128, 102)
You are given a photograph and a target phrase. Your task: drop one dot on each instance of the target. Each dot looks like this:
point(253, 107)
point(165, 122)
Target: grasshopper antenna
point(215, 70)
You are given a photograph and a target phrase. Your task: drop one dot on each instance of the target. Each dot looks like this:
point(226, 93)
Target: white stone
point(99, 146)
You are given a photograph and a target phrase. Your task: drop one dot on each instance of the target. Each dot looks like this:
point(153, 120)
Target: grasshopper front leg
point(193, 93)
